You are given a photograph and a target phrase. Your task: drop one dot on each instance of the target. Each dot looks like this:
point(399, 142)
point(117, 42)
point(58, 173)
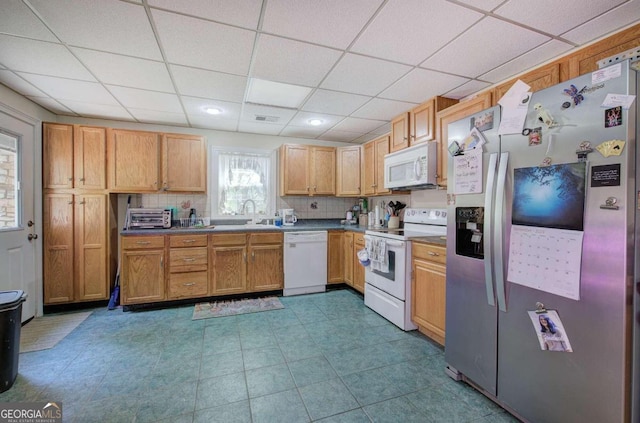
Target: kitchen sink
point(247, 226)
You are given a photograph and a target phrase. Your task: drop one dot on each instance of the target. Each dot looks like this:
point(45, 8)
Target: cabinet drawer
point(188, 285)
point(139, 242)
point(266, 238)
point(430, 252)
point(176, 241)
point(188, 259)
point(228, 239)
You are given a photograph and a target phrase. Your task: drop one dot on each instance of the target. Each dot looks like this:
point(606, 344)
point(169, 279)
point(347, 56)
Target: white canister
point(349, 215)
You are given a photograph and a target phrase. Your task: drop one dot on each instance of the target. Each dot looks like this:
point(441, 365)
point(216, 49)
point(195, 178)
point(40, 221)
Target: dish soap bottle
point(192, 217)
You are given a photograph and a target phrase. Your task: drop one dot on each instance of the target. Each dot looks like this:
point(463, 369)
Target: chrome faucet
point(244, 209)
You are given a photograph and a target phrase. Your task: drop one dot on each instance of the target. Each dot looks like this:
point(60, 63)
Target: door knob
point(31, 237)
point(30, 223)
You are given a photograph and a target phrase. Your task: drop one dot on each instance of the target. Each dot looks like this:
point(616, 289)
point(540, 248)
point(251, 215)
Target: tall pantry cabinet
point(79, 215)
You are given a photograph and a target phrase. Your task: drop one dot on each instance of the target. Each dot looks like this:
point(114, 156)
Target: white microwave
point(411, 168)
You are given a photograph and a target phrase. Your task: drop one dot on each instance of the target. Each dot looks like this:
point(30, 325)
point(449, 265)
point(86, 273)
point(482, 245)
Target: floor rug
point(230, 308)
point(45, 332)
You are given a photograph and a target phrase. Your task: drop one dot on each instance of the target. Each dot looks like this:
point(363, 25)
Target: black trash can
point(10, 325)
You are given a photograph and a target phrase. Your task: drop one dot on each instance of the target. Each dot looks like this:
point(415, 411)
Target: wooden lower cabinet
point(353, 275)
point(335, 257)
point(265, 253)
point(188, 265)
point(347, 248)
point(358, 269)
point(428, 284)
point(142, 278)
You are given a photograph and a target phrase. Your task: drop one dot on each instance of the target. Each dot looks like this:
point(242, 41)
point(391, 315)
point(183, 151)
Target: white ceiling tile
point(282, 115)
point(113, 26)
point(195, 42)
point(199, 121)
point(484, 47)
point(245, 13)
point(382, 109)
point(209, 84)
point(343, 136)
point(333, 23)
point(358, 125)
point(103, 111)
point(364, 138)
point(302, 119)
point(618, 18)
point(469, 88)
point(419, 29)
point(486, 5)
point(259, 127)
point(18, 84)
point(293, 62)
point(69, 89)
point(382, 130)
point(18, 19)
point(154, 116)
point(126, 71)
point(555, 17)
point(149, 100)
point(43, 58)
point(197, 106)
point(278, 94)
point(325, 101)
point(421, 84)
point(363, 75)
point(51, 105)
point(302, 131)
point(536, 56)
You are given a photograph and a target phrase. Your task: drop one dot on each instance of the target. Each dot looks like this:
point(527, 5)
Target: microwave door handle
point(416, 168)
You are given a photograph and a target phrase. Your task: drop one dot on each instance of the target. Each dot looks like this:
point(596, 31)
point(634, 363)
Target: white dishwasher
point(305, 262)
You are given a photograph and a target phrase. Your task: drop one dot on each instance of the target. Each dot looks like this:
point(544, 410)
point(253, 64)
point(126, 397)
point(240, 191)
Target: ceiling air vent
point(265, 118)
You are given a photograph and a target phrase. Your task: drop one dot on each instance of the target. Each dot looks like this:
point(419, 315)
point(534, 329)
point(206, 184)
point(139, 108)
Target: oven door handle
point(389, 243)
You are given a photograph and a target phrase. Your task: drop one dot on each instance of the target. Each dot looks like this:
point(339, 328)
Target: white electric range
point(389, 293)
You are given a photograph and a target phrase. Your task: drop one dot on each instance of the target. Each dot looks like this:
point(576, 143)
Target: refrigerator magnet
point(613, 117)
point(550, 331)
point(543, 115)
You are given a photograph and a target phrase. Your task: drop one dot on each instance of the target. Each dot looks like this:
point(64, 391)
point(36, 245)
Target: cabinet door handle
point(70, 179)
point(189, 284)
point(161, 261)
point(244, 256)
point(189, 259)
point(431, 253)
point(81, 179)
point(188, 241)
point(253, 255)
point(143, 242)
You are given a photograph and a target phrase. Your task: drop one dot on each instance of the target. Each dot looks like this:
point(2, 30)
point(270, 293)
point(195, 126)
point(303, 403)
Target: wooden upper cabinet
point(184, 163)
point(382, 149)
point(399, 132)
point(422, 119)
point(90, 157)
point(348, 171)
point(373, 153)
point(538, 79)
point(307, 170)
point(57, 156)
point(134, 160)
point(445, 117)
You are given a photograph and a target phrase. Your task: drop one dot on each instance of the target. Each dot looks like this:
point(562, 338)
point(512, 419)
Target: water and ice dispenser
point(469, 231)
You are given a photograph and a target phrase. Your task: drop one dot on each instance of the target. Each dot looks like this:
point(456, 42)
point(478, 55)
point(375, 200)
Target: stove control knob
point(444, 214)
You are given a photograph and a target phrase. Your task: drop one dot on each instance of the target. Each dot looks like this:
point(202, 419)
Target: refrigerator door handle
point(499, 227)
point(488, 232)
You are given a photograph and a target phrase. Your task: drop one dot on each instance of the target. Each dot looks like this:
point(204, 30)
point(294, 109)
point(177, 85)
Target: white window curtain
point(244, 176)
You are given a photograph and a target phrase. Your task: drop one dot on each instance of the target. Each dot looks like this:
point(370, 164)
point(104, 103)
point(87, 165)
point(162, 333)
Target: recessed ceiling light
point(213, 110)
point(315, 122)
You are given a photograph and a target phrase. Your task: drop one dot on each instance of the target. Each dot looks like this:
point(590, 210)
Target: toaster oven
point(139, 218)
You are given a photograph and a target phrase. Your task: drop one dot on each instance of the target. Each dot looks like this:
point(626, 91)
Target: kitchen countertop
point(438, 240)
point(301, 225)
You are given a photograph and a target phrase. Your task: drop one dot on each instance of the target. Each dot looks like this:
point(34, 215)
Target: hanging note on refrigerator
point(546, 259)
point(468, 172)
point(550, 331)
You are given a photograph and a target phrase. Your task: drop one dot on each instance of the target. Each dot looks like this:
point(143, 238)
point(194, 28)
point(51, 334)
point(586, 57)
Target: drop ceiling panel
point(51, 105)
point(260, 128)
point(421, 84)
point(219, 124)
point(485, 5)
point(278, 94)
point(333, 23)
point(154, 116)
point(113, 26)
point(126, 71)
point(148, 100)
point(341, 136)
point(197, 106)
point(488, 44)
point(244, 13)
point(616, 19)
point(408, 42)
point(555, 17)
point(302, 118)
point(382, 109)
point(69, 89)
point(469, 88)
point(325, 101)
point(352, 124)
point(302, 131)
point(294, 62)
point(18, 84)
point(17, 19)
point(43, 58)
point(209, 84)
point(203, 44)
point(536, 56)
point(363, 75)
point(382, 130)
point(97, 110)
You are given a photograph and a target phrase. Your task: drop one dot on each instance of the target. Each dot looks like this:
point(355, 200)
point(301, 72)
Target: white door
point(18, 236)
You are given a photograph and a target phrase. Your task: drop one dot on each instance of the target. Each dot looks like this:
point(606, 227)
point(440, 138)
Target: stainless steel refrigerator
point(492, 340)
